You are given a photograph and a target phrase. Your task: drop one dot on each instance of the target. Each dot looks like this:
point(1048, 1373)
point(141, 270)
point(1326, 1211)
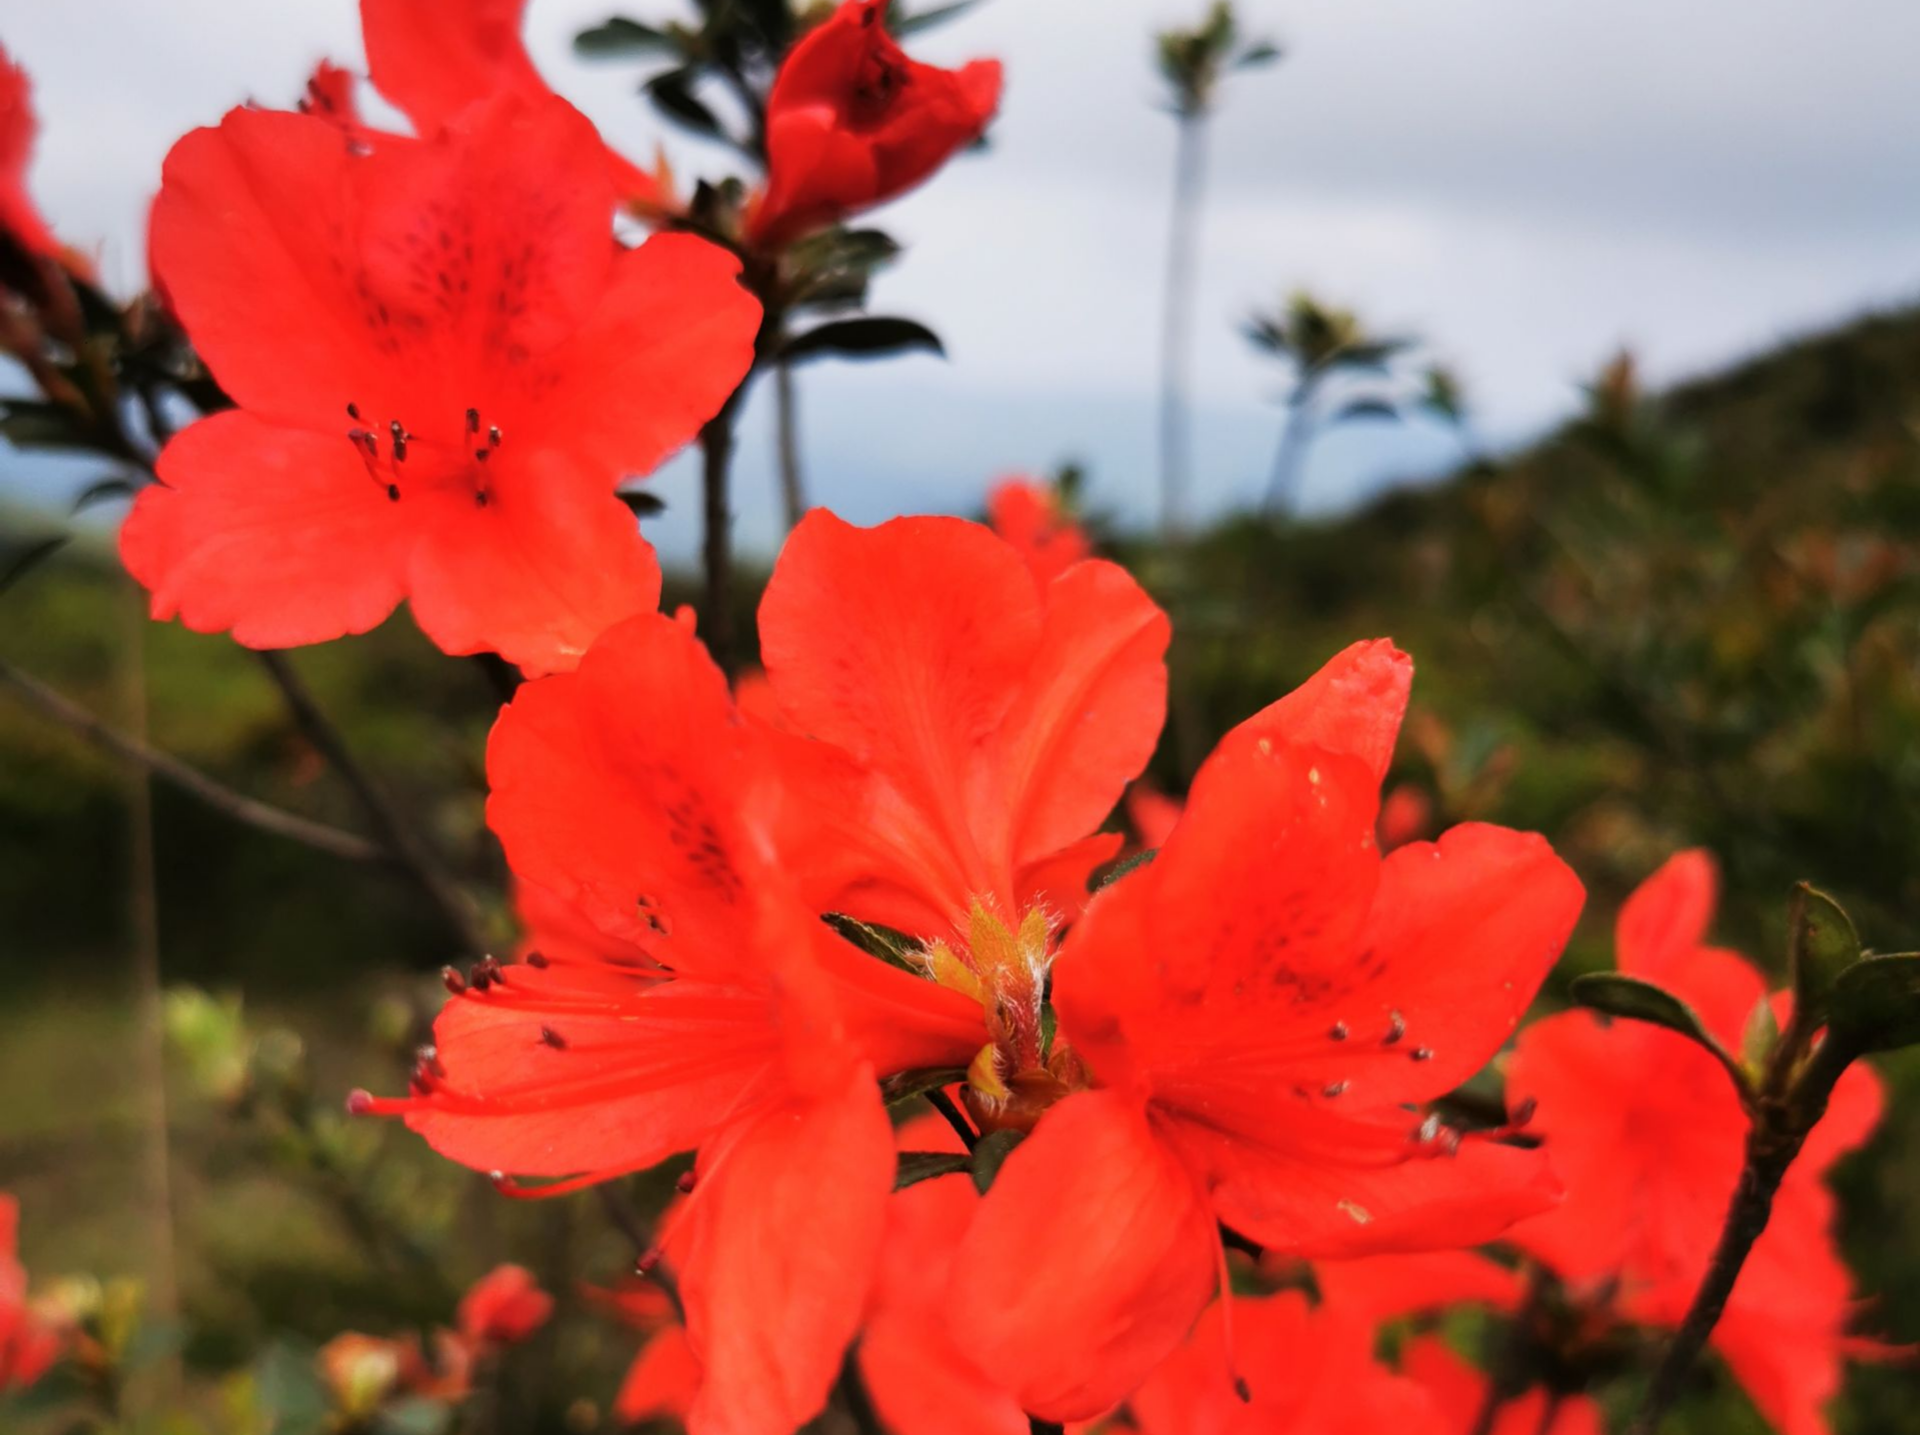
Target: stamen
point(1339, 1031)
point(493, 436)
point(1333, 1089)
point(538, 961)
point(473, 421)
point(553, 1038)
point(1422, 1053)
point(1240, 1386)
point(1396, 1028)
point(353, 411)
point(456, 983)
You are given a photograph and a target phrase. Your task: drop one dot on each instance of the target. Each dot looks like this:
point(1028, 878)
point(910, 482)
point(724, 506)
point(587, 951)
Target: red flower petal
point(273, 533)
point(619, 788)
point(504, 1307)
point(662, 1381)
point(551, 561)
point(776, 1252)
point(1352, 705)
point(1087, 1261)
point(20, 217)
point(979, 733)
point(1341, 1186)
point(1665, 920)
point(432, 59)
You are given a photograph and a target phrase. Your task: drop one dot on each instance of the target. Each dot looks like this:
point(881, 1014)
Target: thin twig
point(943, 1103)
point(1779, 1130)
point(409, 848)
point(793, 491)
point(190, 780)
point(716, 454)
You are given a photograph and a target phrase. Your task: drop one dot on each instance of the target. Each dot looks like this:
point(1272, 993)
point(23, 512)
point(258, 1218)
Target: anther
point(454, 981)
point(648, 1259)
point(684, 1185)
point(1396, 1028)
point(393, 492)
point(1333, 1088)
point(1422, 1053)
point(480, 498)
point(359, 1102)
point(473, 421)
point(481, 454)
point(1429, 1128)
point(1339, 1031)
point(1242, 1389)
point(428, 1058)
point(353, 411)
point(538, 960)
point(553, 1038)
point(493, 436)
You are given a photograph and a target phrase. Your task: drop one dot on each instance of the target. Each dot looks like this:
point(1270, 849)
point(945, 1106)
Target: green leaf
point(1758, 1039)
point(910, 1168)
point(1366, 409)
point(1124, 866)
point(905, 1084)
point(620, 36)
point(1616, 995)
point(990, 1155)
point(16, 563)
point(1263, 52)
point(1823, 944)
point(672, 93)
point(905, 25)
point(1875, 1004)
point(896, 949)
point(866, 338)
point(35, 423)
point(104, 490)
point(644, 502)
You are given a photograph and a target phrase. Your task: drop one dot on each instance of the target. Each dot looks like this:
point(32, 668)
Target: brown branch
point(408, 847)
point(716, 456)
point(187, 779)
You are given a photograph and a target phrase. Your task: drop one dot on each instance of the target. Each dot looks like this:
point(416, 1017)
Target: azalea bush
point(887, 993)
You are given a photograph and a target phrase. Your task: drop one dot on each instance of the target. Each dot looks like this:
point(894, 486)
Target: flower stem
point(943, 1103)
point(408, 847)
point(190, 780)
point(716, 455)
point(1779, 1130)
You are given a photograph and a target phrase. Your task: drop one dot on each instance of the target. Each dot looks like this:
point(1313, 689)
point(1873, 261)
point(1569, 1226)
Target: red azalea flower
point(1032, 517)
point(1300, 1370)
point(20, 218)
point(28, 1345)
point(1459, 1392)
point(1648, 1134)
point(504, 1307)
point(1378, 1289)
point(852, 122)
point(1254, 1012)
point(664, 1379)
point(433, 59)
point(443, 367)
point(1151, 813)
point(633, 791)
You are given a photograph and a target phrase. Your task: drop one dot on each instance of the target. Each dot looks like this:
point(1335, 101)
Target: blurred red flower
point(432, 60)
point(28, 1344)
point(852, 121)
point(474, 366)
point(504, 1307)
point(20, 219)
point(1648, 1134)
point(1032, 517)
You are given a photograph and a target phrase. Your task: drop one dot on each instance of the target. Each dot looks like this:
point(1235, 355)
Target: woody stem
point(1779, 1130)
point(188, 779)
point(409, 848)
point(716, 460)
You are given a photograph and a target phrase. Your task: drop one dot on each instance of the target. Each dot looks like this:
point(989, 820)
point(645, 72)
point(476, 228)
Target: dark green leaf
point(1823, 944)
point(644, 502)
point(1049, 1027)
point(621, 36)
point(918, 1082)
point(1624, 996)
point(866, 338)
point(1124, 866)
point(1263, 52)
point(904, 25)
point(103, 491)
point(912, 1167)
point(896, 949)
point(34, 423)
point(1875, 1004)
point(1365, 409)
point(990, 1155)
point(16, 563)
point(673, 93)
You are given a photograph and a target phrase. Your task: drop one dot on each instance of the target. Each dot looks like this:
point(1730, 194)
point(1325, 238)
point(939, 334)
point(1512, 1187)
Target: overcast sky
point(1529, 183)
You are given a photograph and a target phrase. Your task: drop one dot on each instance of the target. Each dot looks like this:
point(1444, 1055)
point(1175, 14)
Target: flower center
point(399, 459)
point(1023, 1069)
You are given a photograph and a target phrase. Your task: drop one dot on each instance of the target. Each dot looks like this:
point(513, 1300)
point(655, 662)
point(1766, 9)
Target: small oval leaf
point(1875, 1004)
point(1618, 995)
point(867, 338)
point(1823, 945)
point(910, 1168)
point(990, 1155)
